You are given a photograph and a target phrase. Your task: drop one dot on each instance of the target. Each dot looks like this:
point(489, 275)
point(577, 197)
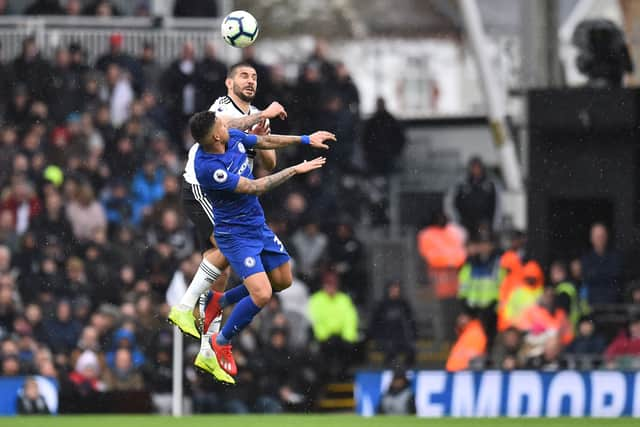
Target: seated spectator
point(393, 328)
point(11, 366)
point(525, 295)
point(168, 229)
point(117, 204)
point(334, 320)
point(62, 331)
point(587, 341)
point(146, 189)
point(399, 398)
point(85, 214)
point(23, 202)
point(566, 293)
point(505, 352)
point(601, 269)
point(282, 382)
point(45, 7)
point(625, 348)
point(471, 343)
point(123, 338)
point(547, 331)
point(30, 401)
point(312, 244)
point(123, 375)
point(85, 378)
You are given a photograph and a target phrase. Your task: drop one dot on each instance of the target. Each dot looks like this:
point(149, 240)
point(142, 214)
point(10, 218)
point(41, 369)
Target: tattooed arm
point(262, 185)
point(272, 111)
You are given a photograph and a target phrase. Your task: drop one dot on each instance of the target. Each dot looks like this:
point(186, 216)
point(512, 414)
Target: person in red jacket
point(626, 345)
point(23, 203)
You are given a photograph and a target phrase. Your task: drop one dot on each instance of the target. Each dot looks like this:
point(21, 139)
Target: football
point(239, 28)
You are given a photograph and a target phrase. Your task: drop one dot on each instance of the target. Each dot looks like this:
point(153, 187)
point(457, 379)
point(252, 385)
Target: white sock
point(205, 339)
point(205, 276)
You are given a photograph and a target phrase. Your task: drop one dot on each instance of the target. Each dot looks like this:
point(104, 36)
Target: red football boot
point(212, 309)
point(224, 356)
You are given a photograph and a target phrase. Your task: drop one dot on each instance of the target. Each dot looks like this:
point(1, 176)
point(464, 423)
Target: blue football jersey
point(219, 174)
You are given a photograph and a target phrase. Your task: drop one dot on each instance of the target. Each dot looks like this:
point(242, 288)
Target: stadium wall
point(510, 394)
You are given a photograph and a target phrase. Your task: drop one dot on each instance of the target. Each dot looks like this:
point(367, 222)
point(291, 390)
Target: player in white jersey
point(241, 85)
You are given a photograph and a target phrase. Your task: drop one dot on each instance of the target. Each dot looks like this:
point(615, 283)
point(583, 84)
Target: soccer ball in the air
point(239, 28)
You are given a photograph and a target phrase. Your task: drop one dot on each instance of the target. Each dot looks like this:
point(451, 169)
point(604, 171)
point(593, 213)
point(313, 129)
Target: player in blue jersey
point(241, 233)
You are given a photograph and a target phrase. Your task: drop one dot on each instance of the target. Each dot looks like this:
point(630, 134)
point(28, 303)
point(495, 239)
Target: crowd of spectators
point(92, 234)
point(499, 307)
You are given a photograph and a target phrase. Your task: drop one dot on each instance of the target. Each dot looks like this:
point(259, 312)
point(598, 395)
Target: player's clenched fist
point(318, 138)
point(308, 166)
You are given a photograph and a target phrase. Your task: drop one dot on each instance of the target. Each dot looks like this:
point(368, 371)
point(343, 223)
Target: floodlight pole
point(494, 96)
point(176, 406)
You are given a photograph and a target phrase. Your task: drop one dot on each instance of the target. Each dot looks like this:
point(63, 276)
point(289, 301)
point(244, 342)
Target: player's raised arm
point(271, 112)
point(316, 140)
point(262, 185)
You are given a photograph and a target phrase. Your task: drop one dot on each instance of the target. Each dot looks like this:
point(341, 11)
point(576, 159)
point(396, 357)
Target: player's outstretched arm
point(262, 185)
point(271, 112)
point(316, 140)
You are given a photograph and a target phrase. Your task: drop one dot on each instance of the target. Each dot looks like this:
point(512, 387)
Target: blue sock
point(234, 295)
point(241, 316)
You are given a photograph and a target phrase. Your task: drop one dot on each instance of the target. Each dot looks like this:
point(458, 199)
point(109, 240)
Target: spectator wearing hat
point(475, 201)
point(117, 204)
point(392, 327)
point(85, 378)
point(147, 188)
point(471, 342)
point(480, 278)
point(123, 375)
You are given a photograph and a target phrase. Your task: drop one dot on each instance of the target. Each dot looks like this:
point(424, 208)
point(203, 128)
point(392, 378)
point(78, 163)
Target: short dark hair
point(234, 67)
point(200, 124)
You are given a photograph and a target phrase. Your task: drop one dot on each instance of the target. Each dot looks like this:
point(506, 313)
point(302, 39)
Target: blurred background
point(480, 211)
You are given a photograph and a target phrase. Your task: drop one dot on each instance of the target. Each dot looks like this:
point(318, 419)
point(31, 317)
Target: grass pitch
point(299, 421)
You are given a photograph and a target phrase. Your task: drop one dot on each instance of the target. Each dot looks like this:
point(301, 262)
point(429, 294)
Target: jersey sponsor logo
point(220, 176)
point(241, 147)
point(249, 262)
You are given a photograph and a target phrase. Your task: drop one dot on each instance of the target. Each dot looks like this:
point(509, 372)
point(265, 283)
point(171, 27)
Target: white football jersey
point(225, 107)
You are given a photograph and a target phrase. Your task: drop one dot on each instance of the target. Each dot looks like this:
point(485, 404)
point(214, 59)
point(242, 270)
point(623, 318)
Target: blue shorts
point(252, 251)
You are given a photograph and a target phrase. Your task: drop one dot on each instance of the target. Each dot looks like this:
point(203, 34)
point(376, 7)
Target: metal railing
point(167, 34)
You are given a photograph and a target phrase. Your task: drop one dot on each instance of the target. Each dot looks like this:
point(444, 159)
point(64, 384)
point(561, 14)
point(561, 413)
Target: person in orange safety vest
point(471, 343)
